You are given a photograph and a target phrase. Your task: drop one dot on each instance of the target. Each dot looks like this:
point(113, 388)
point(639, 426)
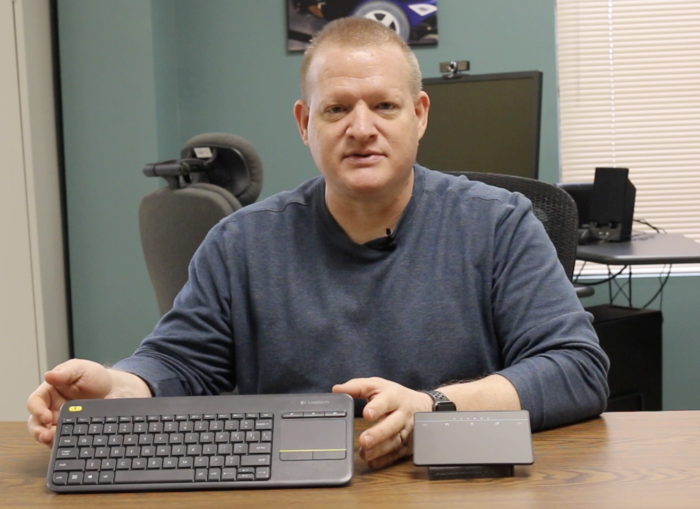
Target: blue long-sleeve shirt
point(279, 299)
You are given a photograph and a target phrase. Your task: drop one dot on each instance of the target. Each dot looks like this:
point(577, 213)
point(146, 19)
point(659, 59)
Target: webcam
point(454, 68)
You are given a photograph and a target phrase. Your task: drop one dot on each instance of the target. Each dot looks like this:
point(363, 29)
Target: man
point(381, 272)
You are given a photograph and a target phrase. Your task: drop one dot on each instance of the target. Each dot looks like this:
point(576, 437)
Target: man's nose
point(362, 123)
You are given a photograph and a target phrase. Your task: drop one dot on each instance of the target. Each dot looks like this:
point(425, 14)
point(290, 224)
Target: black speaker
point(581, 192)
point(612, 205)
point(632, 339)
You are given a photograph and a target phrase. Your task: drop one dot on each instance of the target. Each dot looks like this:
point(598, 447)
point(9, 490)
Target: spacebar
point(148, 476)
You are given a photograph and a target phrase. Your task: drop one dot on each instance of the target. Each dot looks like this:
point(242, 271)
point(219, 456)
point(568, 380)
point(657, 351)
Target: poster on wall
point(414, 20)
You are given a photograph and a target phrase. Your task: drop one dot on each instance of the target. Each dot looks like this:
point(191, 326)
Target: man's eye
point(386, 106)
point(335, 109)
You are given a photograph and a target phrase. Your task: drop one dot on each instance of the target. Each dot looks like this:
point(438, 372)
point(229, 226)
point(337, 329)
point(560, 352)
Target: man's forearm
point(493, 392)
point(128, 385)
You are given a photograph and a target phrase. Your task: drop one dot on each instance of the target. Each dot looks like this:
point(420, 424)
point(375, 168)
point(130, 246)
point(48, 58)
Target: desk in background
point(621, 460)
point(632, 337)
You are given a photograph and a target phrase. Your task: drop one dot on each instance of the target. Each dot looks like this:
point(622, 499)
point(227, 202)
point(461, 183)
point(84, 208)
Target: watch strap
point(440, 401)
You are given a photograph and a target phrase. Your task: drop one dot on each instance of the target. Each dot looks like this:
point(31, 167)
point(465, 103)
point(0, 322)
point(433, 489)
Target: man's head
point(360, 33)
point(363, 111)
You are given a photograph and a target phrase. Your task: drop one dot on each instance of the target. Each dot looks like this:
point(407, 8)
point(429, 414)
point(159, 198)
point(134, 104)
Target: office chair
point(552, 205)
point(217, 174)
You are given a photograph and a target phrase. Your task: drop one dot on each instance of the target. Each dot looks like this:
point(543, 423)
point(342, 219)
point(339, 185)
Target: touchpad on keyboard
point(313, 439)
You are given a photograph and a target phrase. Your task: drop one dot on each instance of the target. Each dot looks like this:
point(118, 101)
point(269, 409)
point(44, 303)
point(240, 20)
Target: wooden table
point(621, 460)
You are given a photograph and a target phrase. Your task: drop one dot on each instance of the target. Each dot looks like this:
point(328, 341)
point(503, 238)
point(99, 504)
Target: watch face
point(444, 406)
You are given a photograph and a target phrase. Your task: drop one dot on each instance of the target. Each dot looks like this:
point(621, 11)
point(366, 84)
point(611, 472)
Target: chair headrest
point(232, 163)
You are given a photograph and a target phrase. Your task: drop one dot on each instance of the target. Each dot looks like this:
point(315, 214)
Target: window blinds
point(629, 96)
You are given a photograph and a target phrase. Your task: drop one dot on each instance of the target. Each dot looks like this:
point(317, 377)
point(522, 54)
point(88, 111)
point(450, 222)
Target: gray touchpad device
point(472, 438)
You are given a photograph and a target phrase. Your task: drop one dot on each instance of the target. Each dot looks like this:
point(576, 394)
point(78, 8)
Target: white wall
point(33, 319)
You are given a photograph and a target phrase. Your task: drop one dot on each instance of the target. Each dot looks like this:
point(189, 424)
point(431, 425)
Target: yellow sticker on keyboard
point(75, 409)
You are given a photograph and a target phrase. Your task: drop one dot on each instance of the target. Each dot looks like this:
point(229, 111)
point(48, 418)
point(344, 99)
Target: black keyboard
point(203, 442)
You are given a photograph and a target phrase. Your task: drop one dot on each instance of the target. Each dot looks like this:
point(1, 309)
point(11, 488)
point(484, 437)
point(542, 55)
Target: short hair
point(354, 32)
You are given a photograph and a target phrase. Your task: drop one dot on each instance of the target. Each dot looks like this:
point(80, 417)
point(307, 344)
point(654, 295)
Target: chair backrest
point(552, 205)
point(174, 220)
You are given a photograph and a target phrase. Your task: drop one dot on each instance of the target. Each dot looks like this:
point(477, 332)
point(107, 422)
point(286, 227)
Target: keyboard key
point(161, 438)
point(100, 440)
point(257, 460)
point(231, 426)
point(110, 428)
point(266, 436)
point(106, 477)
point(185, 462)
point(214, 474)
point(169, 462)
point(262, 473)
point(252, 436)
point(261, 448)
point(65, 465)
point(95, 429)
point(115, 440)
point(201, 474)
point(85, 441)
point(216, 461)
point(75, 478)
point(102, 452)
point(139, 463)
point(228, 474)
point(148, 451)
point(124, 464)
point(117, 452)
point(93, 464)
point(155, 463)
point(108, 464)
point(153, 476)
point(245, 477)
point(247, 425)
point(90, 477)
point(60, 478)
point(68, 441)
point(80, 429)
point(67, 454)
point(263, 424)
point(87, 453)
point(233, 461)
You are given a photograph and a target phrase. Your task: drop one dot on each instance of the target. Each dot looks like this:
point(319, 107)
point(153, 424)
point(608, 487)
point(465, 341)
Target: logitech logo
point(314, 402)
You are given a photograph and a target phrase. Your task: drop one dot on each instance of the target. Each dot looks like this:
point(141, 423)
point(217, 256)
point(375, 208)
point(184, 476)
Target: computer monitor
point(484, 123)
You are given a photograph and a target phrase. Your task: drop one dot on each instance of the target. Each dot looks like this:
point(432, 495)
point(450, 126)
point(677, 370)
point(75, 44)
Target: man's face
point(360, 120)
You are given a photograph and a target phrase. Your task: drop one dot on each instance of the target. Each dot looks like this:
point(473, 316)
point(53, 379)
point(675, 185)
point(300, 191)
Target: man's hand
point(76, 379)
point(392, 406)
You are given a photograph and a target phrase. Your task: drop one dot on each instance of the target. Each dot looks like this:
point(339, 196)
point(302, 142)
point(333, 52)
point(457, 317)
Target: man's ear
point(301, 114)
point(422, 110)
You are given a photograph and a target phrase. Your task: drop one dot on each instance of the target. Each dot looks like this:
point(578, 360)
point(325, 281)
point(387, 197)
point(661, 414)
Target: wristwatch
point(440, 402)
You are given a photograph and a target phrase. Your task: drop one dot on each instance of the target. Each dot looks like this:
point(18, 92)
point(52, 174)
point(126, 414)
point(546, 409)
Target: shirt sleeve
point(191, 350)
point(551, 352)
